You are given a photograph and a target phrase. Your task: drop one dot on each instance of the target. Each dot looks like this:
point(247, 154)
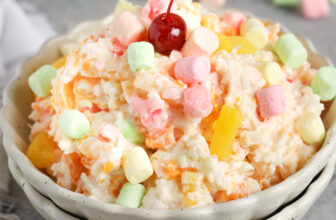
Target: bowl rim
point(302, 203)
point(43, 205)
point(13, 152)
point(312, 192)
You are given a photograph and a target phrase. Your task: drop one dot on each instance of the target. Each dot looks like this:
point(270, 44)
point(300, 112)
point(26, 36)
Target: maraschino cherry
point(167, 32)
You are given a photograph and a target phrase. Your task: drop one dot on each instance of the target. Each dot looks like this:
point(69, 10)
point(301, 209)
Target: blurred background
point(65, 14)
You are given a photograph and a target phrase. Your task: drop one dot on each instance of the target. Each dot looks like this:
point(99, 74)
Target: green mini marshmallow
point(40, 81)
point(141, 56)
point(131, 195)
point(74, 124)
point(291, 51)
point(324, 83)
point(286, 3)
point(130, 132)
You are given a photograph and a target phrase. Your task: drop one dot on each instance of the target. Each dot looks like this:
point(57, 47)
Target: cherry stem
point(169, 8)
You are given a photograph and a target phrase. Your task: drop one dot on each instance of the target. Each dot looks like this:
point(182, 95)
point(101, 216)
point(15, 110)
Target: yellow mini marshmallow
point(123, 6)
point(311, 128)
point(137, 166)
point(68, 49)
point(271, 72)
point(255, 31)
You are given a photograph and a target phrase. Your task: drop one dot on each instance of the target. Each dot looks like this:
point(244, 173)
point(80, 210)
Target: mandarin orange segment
point(241, 191)
point(224, 132)
point(73, 160)
point(59, 63)
point(228, 43)
point(68, 95)
point(160, 139)
point(171, 169)
point(42, 151)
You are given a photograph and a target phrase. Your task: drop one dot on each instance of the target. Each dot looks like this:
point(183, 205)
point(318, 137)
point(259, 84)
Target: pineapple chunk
point(191, 183)
point(59, 63)
point(229, 43)
point(224, 132)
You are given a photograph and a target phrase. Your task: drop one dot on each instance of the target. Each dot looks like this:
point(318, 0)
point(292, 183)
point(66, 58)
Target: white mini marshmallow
point(271, 72)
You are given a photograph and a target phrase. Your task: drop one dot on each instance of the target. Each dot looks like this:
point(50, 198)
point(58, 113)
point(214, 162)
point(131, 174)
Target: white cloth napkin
point(22, 31)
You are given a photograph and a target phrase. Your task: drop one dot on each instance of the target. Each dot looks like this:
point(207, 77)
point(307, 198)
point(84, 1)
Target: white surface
point(14, 46)
point(256, 205)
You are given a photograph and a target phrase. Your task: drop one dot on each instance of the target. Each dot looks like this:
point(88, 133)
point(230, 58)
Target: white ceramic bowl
point(295, 210)
point(299, 208)
point(43, 205)
point(14, 123)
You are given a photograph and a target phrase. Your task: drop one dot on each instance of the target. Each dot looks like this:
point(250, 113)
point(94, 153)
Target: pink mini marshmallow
point(109, 132)
point(313, 9)
point(201, 42)
point(153, 114)
point(152, 9)
point(127, 28)
point(197, 101)
point(193, 69)
point(234, 19)
point(271, 101)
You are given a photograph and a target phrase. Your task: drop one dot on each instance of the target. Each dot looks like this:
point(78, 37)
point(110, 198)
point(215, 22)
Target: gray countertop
point(65, 14)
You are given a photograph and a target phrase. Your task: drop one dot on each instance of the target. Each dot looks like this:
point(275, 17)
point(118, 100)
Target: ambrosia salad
point(176, 110)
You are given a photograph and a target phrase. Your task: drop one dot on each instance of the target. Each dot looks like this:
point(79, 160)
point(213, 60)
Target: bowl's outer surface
point(300, 207)
point(14, 123)
point(43, 205)
point(295, 210)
